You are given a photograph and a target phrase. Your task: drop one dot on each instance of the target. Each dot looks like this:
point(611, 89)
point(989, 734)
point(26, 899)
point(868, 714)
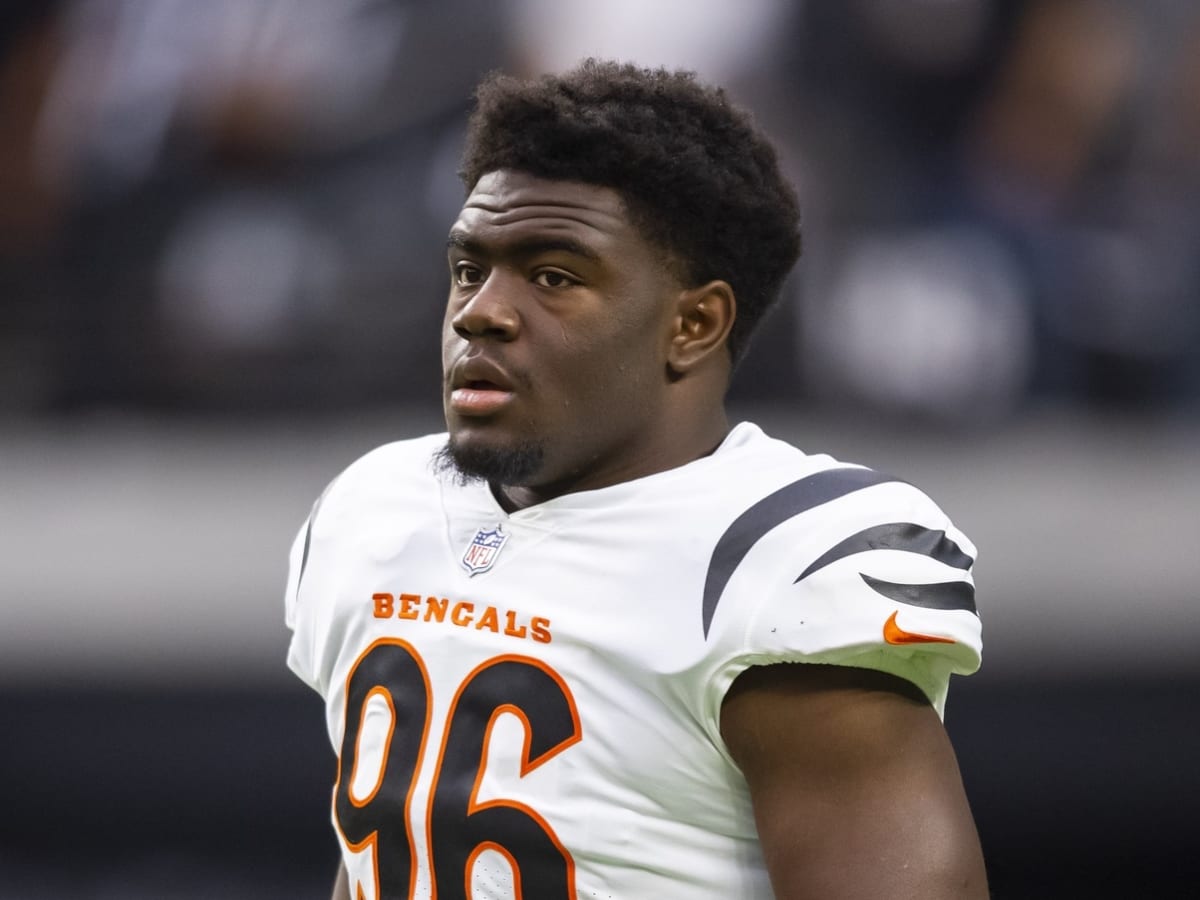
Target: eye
point(467, 275)
point(552, 278)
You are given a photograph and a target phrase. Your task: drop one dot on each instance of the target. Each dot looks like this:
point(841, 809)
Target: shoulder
point(412, 458)
point(833, 562)
point(401, 473)
point(364, 494)
point(805, 512)
point(781, 478)
point(785, 487)
point(396, 468)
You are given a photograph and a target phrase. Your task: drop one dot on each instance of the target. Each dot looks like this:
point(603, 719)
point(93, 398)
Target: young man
point(593, 642)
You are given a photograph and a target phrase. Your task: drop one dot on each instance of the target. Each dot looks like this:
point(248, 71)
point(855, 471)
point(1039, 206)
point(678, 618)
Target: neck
point(680, 444)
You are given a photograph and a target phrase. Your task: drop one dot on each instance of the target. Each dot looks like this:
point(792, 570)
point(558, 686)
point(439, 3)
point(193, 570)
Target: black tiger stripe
point(771, 511)
point(906, 536)
point(943, 595)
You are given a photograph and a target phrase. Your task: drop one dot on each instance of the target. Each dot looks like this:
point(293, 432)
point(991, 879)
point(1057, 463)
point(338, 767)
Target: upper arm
point(855, 786)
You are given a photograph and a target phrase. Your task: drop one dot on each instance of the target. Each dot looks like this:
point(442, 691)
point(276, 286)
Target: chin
point(476, 458)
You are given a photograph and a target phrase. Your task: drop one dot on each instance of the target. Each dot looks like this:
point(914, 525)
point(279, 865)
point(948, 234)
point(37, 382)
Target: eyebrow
point(524, 247)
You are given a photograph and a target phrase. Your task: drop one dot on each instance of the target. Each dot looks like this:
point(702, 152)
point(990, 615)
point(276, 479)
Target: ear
point(703, 317)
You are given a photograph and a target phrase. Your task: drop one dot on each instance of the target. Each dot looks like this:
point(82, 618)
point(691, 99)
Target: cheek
point(451, 343)
point(626, 378)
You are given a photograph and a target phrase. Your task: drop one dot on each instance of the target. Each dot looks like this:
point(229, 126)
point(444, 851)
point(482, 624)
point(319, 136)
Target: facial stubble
point(498, 465)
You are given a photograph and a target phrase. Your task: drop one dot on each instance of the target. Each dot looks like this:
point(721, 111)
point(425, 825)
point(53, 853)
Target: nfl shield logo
point(484, 548)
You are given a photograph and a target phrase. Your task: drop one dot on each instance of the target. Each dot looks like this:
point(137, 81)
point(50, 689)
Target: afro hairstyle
point(697, 176)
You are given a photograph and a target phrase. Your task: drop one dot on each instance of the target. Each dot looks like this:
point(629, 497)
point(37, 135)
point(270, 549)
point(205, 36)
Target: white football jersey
point(527, 705)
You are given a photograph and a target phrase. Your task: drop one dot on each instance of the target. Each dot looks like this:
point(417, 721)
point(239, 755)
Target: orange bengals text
point(463, 613)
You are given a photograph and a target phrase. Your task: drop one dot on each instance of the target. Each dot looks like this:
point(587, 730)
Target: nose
point(488, 312)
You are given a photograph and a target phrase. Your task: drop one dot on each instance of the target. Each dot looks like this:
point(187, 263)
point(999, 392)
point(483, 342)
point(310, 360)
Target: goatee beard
point(496, 465)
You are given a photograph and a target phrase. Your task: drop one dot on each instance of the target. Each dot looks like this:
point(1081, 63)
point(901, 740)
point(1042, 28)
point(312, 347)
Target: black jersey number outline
point(458, 827)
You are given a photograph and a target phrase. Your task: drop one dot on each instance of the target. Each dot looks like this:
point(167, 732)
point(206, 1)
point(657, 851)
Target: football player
point(594, 641)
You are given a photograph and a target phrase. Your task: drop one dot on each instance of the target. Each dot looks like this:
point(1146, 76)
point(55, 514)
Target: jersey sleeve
point(301, 656)
point(879, 579)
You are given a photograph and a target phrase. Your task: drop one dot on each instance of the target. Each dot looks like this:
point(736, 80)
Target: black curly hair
point(698, 177)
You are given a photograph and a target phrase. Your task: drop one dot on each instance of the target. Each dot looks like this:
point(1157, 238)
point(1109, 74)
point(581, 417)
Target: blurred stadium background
point(221, 272)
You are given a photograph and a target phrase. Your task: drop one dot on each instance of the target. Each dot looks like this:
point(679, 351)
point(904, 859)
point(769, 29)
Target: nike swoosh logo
point(894, 634)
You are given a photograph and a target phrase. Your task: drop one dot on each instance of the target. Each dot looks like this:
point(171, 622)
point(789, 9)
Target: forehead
point(507, 203)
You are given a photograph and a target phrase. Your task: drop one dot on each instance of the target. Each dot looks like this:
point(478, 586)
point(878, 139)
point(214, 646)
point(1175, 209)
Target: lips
point(479, 387)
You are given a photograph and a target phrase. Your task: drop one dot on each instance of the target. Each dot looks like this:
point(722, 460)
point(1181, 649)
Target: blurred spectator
point(1057, 158)
point(240, 204)
point(1026, 128)
point(255, 193)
